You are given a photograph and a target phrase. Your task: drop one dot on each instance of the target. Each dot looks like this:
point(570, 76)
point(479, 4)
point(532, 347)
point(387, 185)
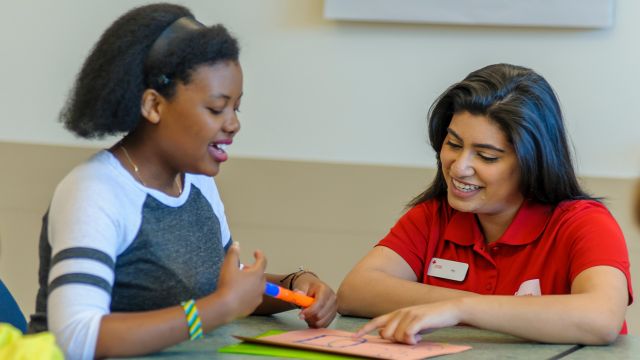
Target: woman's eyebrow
point(483, 146)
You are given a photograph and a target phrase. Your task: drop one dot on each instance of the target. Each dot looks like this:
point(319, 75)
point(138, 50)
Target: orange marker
point(283, 294)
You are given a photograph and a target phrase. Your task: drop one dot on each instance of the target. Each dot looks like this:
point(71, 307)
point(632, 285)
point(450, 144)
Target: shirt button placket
point(490, 287)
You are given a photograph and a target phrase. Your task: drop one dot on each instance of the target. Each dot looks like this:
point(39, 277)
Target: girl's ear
point(151, 105)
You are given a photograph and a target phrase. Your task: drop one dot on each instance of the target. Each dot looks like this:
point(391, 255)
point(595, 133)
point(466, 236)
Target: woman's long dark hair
point(525, 107)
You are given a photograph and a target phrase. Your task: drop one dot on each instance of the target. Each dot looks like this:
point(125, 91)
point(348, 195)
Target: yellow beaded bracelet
point(193, 319)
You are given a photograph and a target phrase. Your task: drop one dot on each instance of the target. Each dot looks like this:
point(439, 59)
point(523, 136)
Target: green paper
point(279, 351)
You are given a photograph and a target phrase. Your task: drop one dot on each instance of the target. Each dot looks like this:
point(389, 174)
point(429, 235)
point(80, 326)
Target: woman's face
point(480, 167)
point(201, 119)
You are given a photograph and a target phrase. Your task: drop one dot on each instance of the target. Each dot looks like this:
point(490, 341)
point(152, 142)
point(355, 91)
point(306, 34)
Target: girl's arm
point(592, 314)
point(239, 293)
point(320, 314)
point(382, 282)
point(271, 305)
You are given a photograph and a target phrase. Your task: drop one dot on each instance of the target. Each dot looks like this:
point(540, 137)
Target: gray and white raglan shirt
point(110, 244)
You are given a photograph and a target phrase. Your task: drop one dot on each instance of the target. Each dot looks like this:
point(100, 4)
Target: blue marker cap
point(271, 289)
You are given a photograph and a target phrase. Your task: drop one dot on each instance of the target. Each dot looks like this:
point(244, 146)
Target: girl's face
point(480, 167)
point(200, 121)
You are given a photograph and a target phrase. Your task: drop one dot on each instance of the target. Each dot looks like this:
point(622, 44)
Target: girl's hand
point(243, 288)
point(406, 325)
point(325, 306)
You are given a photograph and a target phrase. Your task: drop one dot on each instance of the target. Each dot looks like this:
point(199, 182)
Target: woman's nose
point(462, 165)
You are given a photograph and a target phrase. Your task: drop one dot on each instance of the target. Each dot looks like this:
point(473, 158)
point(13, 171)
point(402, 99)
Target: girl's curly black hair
point(105, 99)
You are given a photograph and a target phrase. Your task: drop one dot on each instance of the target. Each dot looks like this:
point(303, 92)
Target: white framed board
point(533, 13)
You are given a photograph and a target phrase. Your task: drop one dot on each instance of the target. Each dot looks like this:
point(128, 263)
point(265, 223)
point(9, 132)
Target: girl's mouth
point(218, 151)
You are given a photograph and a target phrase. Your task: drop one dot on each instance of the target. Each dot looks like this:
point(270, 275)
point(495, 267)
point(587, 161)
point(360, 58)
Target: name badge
point(448, 269)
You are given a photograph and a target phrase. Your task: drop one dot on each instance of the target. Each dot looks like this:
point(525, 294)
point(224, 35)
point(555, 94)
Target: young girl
point(504, 238)
point(136, 240)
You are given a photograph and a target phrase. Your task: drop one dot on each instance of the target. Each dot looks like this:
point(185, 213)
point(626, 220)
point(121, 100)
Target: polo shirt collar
point(526, 227)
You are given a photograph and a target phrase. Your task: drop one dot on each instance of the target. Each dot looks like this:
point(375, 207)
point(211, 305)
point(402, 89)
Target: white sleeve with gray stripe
point(94, 216)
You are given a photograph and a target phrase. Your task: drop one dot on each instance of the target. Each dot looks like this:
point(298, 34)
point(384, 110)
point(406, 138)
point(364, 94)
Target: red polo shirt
point(550, 244)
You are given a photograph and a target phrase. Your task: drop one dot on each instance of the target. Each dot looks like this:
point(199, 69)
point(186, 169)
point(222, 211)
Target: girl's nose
point(232, 124)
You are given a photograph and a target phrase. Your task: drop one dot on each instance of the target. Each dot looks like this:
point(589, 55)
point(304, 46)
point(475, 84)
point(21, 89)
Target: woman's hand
point(406, 325)
point(243, 288)
point(325, 306)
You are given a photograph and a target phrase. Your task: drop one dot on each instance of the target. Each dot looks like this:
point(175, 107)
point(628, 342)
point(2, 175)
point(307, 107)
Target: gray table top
point(485, 344)
point(625, 347)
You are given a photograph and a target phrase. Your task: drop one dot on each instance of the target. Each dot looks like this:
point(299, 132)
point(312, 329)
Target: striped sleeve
point(86, 235)
point(92, 259)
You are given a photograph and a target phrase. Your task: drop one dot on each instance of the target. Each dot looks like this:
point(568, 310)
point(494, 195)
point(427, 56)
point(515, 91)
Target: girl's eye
point(237, 109)
point(214, 111)
point(453, 145)
point(487, 158)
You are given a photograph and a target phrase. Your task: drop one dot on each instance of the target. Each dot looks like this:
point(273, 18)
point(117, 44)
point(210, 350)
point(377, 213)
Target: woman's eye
point(214, 111)
point(487, 158)
point(453, 145)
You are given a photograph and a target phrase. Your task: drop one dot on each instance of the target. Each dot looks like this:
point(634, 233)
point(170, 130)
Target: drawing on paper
point(332, 341)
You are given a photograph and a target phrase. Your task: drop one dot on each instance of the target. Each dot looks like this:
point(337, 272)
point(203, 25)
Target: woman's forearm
point(577, 318)
point(372, 293)
point(592, 314)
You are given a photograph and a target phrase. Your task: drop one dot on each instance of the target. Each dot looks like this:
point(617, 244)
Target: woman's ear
point(151, 105)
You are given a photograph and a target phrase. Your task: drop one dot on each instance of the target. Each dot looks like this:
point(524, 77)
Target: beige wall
point(324, 216)
point(363, 87)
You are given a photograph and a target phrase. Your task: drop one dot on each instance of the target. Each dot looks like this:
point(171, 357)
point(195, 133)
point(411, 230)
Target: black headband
point(181, 26)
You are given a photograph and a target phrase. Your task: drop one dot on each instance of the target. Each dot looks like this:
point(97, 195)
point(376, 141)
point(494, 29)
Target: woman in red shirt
point(504, 238)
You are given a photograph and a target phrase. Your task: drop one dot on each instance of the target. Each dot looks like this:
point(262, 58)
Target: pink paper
point(343, 342)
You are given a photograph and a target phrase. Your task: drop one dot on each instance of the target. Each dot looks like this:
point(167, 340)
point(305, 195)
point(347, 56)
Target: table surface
point(485, 344)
